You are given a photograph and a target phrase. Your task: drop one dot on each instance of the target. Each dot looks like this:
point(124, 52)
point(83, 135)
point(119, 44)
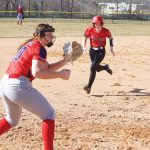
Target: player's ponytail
point(27, 41)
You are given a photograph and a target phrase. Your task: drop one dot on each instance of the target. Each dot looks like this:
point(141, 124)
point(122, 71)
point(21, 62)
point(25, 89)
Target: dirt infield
point(115, 116)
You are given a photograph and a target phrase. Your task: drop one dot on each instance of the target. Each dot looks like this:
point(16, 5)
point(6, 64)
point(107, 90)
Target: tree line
point(67, 5)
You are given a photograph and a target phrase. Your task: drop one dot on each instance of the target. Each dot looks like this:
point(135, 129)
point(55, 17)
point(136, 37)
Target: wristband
point(111, 42)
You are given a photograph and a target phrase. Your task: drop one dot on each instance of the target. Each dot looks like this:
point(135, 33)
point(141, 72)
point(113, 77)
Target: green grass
point(72, 27)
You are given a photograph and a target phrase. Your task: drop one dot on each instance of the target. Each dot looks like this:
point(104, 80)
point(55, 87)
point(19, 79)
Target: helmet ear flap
point(40, 33)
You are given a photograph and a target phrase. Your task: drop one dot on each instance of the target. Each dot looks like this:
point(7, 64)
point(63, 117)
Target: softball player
point(97, 35)
point(20, 15)
point(16, 86)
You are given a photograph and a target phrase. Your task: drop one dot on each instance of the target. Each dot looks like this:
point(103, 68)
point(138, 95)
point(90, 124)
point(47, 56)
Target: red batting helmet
point(97, 19)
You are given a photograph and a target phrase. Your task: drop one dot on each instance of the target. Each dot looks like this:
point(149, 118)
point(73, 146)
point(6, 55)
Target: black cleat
point(108, 69)
point(87, 89)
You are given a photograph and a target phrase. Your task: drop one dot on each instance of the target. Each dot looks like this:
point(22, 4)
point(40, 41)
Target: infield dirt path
point(115, 116)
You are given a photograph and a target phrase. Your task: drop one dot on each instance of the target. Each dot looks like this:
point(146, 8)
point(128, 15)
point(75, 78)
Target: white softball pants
point(18, 94)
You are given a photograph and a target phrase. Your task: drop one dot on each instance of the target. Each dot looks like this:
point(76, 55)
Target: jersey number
point(21, 51)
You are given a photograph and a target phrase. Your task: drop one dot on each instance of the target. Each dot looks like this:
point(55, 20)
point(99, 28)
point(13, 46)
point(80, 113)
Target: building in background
point(109, 8)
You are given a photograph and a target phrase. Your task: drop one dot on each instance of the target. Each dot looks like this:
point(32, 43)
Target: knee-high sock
point(48, 127)
point(4, 126)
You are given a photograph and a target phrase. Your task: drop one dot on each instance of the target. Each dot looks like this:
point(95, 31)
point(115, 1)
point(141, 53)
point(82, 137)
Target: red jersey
point(97, 39)
point(20, 10)
point(21, 64)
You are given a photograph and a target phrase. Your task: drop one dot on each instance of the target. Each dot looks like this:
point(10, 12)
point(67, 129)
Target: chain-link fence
point(77, 15)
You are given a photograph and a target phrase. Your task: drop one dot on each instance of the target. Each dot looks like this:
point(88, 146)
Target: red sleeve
point(108, 33)
point(40, 54)
point(87, 32)
point(22, 10)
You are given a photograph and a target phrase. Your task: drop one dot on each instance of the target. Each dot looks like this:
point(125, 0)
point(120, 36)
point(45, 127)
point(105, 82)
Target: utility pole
point(130, 7)
point(96, 5)
point(82, 6)
point(29, 7)
point(82, 9)
point(41, 7)
point(117, 5)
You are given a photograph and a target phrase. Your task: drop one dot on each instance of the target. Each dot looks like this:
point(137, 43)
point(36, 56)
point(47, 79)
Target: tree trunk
point(130, 7)
point(71, 8)
point(41, 9)
point(61, 7)
point(117, 3)
point(7, 6)
point(96, 5)
point(29, 7)
point(42, 5)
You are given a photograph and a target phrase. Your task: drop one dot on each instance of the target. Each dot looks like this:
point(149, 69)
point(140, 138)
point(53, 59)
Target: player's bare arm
point(111, 45)
point(57, 65)
point(84, 44)
point(41, 70)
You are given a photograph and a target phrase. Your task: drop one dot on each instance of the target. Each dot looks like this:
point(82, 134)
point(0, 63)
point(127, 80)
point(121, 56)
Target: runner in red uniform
point(16, 88)
point(97, 35)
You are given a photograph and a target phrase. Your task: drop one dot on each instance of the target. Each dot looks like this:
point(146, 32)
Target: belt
point(97, 48)
point(15, 76)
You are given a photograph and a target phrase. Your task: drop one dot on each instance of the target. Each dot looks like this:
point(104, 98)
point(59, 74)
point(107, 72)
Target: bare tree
point(117, 5)
point(7, 5)
point(2, 2)
point(42, 5)
point(68, 5)
point(81, 6)
point(71, 6)
point(130, 6)
point(14, 4)
point(7, 2)
point(29, 6)
point(96, 6)
point(61, 5)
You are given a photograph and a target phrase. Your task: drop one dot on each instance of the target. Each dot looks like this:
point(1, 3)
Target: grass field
point(72, 28)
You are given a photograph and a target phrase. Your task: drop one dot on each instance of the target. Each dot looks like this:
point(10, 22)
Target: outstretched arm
point(43, 70)
point(84, 44)
point(57, 65)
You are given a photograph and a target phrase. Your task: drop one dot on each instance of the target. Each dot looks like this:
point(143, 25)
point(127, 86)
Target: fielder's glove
point(72, 50)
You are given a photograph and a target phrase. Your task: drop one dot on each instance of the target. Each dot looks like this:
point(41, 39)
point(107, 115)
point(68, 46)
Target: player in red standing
point(16, 87)
point(97, 35)
point(20, 15)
